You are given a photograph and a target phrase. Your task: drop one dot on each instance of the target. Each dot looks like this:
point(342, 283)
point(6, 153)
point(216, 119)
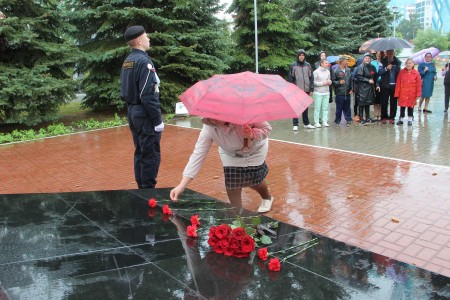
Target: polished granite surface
point(110, 245)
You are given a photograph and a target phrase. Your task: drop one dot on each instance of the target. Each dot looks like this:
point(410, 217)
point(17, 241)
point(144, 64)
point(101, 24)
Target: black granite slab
point(111, 245)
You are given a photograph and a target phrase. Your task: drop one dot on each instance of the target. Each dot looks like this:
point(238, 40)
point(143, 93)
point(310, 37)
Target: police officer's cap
point(133, 32)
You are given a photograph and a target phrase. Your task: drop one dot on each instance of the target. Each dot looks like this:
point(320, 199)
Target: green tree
point(326, 24)
point(370, 19)
point(278, 36)
point(187, 44)
point(36, 62)
point(430, 38)
point(409, 27)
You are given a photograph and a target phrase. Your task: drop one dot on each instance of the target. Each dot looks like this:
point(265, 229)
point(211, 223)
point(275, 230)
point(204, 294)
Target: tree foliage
point(187, 44)
point(326, 25)
point(409, 27)
point(430, 38)
point(279, 37)
point(370, 19)
point(35, 62)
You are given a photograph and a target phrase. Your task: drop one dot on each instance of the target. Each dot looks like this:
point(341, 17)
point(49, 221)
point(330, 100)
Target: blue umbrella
point(332, 59)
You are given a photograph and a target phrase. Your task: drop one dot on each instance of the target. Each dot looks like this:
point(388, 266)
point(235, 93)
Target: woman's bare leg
point(234, 195)
point(262, 190)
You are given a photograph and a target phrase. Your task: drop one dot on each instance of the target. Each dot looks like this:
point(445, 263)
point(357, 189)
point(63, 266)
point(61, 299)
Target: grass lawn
point(69, 113)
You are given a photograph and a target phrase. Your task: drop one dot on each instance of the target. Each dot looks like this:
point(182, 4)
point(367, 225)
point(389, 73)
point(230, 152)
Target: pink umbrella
point(419, 57)
point(245, 98)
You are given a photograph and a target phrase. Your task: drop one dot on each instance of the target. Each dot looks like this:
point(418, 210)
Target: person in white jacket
point(322, 82)
point(243, 151)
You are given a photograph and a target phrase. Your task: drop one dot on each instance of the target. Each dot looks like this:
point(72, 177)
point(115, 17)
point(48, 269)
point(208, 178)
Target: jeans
point(304, 118)
point(343, 106)
point(387, 97)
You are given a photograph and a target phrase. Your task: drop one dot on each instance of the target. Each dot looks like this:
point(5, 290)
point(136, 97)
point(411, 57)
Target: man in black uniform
point(140, 90)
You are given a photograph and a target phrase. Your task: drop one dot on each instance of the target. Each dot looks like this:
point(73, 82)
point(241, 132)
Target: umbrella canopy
point(388, 43)
point(245, 98)
point(366, 46)
point(444, 56)
point(419, 56)
point(332, 59)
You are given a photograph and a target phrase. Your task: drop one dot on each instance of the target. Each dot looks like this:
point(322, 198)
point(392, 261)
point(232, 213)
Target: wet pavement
point(382, 188)
point(111, 245)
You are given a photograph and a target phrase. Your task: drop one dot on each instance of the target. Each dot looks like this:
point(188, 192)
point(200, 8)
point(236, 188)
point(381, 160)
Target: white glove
point(160, 127)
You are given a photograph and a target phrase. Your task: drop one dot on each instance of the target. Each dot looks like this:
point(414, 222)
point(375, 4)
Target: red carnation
point(247, 244)
point(152, 202)
point(167, 210)
point(234, 244)
point(238, 233)
point(274, 264)
point(263, 254)
point(342, 75)
point(194, 220)
point(218, 248)
point(225, 241)
point(212, 241)
point(228, 251)
point(212, 231)
point(191, 231)
point(372, 72)
point(222, 230)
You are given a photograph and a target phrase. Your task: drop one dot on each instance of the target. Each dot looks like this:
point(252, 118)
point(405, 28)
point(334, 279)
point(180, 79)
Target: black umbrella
point(389, 43)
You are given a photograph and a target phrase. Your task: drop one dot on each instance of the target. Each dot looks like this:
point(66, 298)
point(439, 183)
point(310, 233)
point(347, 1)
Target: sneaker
point(409, 123)
point(295, 128)
point(362, 122)
point(400, 122)
point(317, 125)
point(309, 126)
point(265, 206)
point(349, 123)
point(383, 121)
point(391, 121)
point(326, 124)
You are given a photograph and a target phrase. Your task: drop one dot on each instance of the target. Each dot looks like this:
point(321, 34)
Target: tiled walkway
point(344, 195)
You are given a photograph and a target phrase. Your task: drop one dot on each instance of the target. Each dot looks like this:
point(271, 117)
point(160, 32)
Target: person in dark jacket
point(139, 88)
point(301, 74)
point(342, 82)
point(446, 86)
point(389, 74)
point(367, 77)
point(355, 88)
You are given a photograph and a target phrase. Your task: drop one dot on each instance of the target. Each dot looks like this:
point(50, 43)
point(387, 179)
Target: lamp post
point(395, 11)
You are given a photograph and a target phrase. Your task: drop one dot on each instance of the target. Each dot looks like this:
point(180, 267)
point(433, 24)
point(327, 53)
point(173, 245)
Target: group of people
point(377, 80)
point(242, 148)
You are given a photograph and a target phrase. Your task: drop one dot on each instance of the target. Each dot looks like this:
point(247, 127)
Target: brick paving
point(348, 196)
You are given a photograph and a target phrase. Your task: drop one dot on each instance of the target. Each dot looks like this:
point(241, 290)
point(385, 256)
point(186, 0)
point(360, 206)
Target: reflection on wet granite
point(111, 245)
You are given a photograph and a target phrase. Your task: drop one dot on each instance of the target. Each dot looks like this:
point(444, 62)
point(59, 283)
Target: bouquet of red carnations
point(230, 242)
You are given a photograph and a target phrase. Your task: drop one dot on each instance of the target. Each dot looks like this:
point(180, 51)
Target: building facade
point(433, 14)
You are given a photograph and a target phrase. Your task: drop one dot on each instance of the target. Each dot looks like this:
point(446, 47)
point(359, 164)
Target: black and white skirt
point(240, 177)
